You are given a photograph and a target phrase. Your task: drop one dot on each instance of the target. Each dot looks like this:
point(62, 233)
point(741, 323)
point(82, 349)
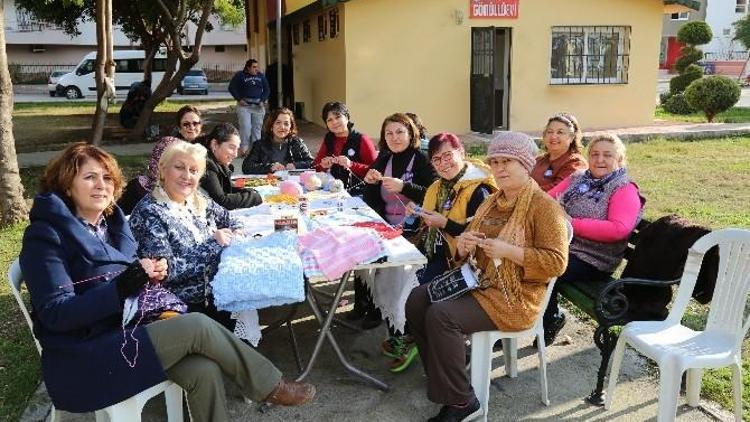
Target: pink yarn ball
point(291, 188)
point(304, 177)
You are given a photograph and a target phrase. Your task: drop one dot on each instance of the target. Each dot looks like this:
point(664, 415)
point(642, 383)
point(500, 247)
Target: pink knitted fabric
point(622, 215)
point(515, 145)
point(339, 249)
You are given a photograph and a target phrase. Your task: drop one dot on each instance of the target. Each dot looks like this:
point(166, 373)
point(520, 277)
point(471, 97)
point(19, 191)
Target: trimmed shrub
point(712, 95)
point(677, 104)
point(688, 56)
point(695, 33)
point(664, 97)
point(680, 82)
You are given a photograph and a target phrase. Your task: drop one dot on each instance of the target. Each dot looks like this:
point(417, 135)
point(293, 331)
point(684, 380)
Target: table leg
point(325, 332)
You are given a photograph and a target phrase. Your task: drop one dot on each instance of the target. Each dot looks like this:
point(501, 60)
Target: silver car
point(195, 80)
point(52, 81)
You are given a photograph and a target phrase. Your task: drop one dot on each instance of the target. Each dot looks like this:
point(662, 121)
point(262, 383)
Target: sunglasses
point(189, 124)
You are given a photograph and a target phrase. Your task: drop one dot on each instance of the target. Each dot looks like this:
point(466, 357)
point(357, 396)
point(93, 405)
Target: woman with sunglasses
point(561, 140)
point(189, 123)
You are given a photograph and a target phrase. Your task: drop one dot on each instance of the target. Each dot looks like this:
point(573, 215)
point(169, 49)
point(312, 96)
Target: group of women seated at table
point(83, 260)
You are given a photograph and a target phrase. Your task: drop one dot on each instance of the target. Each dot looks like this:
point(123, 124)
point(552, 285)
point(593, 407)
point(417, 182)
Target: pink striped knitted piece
point(339, 249)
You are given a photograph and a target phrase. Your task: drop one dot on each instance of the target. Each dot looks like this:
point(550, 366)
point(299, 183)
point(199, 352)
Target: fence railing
point(725, 55)
point(35, 73)
point(22, 73)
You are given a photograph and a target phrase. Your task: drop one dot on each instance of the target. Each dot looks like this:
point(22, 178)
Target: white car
point(52, 81)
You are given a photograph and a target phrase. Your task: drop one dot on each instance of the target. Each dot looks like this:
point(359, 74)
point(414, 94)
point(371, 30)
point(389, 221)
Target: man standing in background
point(251, 90)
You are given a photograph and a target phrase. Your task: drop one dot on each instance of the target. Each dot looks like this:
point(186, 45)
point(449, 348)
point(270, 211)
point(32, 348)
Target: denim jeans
point(250, 119)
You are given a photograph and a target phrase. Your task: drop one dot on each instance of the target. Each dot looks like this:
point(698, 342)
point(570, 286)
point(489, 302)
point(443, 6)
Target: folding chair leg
point(614, 372)
point(510, 353)
point(481, 367)
point(295, 349)
point(693, 386)
point(737, 390)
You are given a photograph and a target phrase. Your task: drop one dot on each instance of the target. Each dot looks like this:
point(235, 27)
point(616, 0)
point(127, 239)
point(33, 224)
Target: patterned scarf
point(149, 180)
point(507, 275)
point(444, 193)
point(588, 187)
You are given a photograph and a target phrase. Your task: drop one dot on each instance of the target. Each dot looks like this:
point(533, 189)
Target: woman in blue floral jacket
point(182, 225)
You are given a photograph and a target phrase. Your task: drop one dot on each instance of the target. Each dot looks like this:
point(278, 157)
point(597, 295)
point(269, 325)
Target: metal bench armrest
point(612, 306)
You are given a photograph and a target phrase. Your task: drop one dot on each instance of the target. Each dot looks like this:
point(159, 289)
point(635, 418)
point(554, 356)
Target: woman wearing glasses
point(562, 142)
point(451, 201)
point(189, 123)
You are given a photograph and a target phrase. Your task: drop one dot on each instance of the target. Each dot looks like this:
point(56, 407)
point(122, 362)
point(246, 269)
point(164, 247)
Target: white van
point(128, 70)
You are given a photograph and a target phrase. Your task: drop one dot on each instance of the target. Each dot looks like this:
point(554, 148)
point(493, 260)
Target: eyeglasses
point(445, 157)
point(189, 124)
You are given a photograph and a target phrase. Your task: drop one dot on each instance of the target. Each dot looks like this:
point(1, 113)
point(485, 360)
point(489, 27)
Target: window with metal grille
point(681, 16)
point(333, 17)
point(741, 6)
point(322, 27)
point(306, 32)
point(589, 55)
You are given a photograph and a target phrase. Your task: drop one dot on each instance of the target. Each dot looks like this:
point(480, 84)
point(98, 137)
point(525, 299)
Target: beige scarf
point(508, 275)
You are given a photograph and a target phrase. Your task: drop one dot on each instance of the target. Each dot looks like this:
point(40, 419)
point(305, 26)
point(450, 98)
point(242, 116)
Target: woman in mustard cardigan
point(519, 239)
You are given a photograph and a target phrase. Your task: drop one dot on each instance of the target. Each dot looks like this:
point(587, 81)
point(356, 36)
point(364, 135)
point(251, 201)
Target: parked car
point(52, 81)
point(195, 80)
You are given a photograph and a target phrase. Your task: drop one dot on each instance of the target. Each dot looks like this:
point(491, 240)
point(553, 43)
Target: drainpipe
point(279, 83)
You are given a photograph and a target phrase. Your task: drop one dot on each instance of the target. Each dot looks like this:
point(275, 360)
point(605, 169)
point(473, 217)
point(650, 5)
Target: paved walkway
point(313, 135)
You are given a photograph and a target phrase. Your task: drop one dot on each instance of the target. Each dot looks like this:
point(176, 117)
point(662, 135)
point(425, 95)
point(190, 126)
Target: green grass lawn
point(706, 181)
point(53, 125)
point(733, 115)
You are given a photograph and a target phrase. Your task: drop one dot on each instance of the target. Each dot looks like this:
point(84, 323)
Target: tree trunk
point(171, 77)
point(13, 207)
point(104, 68)
point(742, 72)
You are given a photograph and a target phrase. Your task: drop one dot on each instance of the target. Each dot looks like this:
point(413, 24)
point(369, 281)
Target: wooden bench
point(607, 304)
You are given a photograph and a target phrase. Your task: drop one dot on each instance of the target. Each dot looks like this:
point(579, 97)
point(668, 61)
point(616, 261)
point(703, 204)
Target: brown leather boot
point(291, 393)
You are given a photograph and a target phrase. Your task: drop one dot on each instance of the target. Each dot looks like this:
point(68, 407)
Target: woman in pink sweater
point(604, 206)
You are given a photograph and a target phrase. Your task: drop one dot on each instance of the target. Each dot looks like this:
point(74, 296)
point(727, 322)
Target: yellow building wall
point(319, 69)
point(294, 5)
point(415, 56)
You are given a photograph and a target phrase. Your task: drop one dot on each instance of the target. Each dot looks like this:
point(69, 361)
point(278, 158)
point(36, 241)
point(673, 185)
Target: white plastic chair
point(482, 343)
point(127, 410)
point(481, 355)
point(676, 348)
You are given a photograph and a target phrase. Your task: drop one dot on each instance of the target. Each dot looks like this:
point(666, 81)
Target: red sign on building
point(493, 9)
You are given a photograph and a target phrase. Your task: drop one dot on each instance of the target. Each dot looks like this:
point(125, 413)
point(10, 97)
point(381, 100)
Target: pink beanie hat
point(515, 145)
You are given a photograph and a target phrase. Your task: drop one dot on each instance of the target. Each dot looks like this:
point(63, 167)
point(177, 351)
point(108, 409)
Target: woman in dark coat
point(222, 144)
point(280, 148)
point(79, 263)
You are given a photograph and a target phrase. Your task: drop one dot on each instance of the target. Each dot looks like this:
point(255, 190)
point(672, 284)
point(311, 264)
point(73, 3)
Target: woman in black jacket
point(401, 173)
point(223, 144)
point(280, 148)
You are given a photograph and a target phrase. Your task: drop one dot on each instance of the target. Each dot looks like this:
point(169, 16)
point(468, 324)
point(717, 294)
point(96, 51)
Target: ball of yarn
point(335, 185)
point(313, 183)
point(304, 177)
point(291, 188)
